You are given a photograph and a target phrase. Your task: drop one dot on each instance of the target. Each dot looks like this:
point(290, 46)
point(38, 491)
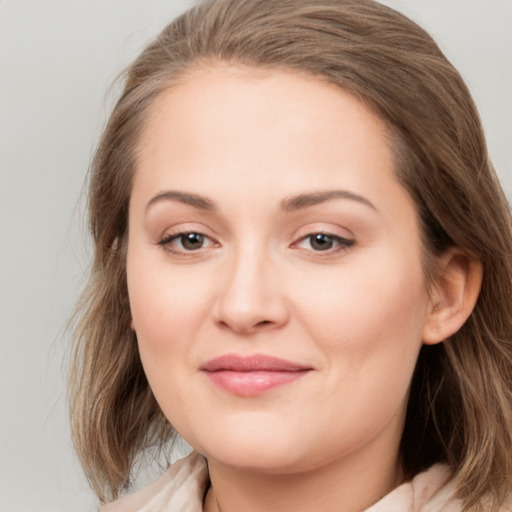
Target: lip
point(252, 375)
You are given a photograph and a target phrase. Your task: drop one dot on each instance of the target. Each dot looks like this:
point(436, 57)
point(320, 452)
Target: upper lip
point(252, 363)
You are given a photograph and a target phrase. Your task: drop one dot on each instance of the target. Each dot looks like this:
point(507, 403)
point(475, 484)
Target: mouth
point(252, 375)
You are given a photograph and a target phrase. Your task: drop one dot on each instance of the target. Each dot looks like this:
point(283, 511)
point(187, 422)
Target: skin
point(357, 314)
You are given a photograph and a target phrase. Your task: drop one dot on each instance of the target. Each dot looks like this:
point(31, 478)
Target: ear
point(453, 296)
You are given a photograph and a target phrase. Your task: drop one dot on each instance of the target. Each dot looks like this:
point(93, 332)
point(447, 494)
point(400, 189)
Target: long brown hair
point(460, 406)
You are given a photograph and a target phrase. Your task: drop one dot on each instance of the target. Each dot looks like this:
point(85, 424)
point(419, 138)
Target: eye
point(322, 242)
point(186, 242)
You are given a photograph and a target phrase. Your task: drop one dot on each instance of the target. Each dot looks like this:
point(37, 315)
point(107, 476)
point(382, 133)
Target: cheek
point(367, 314)
point(368, 325)
point(166, 314)
point(163, 305)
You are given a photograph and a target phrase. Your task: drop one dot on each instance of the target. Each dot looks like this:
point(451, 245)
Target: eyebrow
point(289, 204)
point(301, 201)
point(195, 200)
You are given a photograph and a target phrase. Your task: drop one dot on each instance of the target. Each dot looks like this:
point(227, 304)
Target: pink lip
point(251, 375)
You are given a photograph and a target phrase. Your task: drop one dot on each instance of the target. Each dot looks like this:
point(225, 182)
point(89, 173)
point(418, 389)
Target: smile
point(252, 375)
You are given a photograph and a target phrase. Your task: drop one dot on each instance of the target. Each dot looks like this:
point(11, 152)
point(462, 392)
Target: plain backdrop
point(58, 59)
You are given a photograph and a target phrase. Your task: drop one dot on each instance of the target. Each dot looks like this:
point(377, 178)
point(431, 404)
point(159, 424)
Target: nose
point(251, 298)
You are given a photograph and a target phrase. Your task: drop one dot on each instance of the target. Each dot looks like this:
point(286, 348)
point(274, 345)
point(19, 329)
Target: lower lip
point(252, 383)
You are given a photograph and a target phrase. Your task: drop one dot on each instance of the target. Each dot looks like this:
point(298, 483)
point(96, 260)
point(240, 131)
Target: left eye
point(324, 242)
point(186, 242)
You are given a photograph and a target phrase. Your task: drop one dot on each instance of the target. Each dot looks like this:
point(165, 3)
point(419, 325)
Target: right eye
point(185, 242)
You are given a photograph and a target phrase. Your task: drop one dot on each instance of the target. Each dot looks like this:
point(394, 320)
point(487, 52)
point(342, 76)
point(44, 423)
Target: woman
point(302, 266)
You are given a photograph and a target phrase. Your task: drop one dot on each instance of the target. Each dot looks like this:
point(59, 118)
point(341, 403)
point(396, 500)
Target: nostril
point(224, 324)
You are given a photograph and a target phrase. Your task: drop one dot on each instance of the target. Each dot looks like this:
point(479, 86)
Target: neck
point(357, 484)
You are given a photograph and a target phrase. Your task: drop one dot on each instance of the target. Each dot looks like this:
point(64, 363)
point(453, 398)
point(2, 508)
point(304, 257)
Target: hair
point(460, 405)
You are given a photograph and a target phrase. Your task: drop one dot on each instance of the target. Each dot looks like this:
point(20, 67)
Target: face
point(274, 271)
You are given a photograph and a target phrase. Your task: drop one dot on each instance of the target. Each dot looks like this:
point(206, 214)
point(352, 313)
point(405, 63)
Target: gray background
point(57, 61)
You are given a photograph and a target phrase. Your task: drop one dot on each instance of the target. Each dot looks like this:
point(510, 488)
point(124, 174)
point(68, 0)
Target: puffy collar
point(184, 484)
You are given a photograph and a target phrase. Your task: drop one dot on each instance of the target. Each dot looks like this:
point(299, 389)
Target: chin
point(242, 445)
point(255, 458)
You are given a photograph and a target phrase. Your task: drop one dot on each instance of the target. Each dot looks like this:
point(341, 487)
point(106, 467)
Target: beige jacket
point(183, 486)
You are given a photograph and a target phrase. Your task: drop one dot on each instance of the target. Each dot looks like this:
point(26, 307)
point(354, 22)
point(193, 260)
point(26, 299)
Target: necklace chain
point(216, 501)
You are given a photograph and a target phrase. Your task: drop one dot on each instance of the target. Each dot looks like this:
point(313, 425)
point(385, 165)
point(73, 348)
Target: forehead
point(258, 94)
point(215, 117)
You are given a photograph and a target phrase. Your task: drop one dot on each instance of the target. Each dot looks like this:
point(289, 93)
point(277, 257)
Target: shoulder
point(182, 485)
point(433, 490)
point(429, 491)
point(445, 500)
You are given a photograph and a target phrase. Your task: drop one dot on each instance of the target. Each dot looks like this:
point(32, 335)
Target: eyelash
point(166, 242)
point(341, 244)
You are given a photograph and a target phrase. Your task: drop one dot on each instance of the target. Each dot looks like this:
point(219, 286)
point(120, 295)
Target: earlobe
point(453, 297)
